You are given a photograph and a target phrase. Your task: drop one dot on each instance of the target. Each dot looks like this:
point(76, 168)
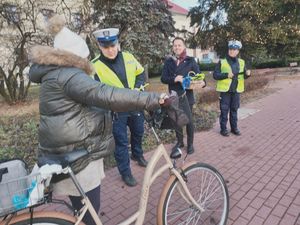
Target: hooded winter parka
point(74, 107)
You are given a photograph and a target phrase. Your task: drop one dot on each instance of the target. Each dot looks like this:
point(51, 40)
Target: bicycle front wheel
point(207, 187)
point(43, 218)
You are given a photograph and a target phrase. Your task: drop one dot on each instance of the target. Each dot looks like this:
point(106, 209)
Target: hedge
point(156, 70)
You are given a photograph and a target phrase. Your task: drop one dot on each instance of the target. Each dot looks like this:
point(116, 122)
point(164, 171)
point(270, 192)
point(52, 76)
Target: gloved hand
point(170, 99)
point(166, 100)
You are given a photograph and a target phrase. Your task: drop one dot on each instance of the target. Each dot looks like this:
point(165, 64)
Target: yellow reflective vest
point(132, 68)
point(224, 85)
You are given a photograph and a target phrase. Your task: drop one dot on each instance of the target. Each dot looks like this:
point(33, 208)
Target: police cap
point(234, 44)
point(107, 37)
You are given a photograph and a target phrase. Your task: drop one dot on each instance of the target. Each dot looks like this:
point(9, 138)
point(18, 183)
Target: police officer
point(121, 69)
point(230, 73)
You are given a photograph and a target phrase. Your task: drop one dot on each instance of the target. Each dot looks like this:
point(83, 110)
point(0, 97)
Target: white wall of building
point(182, 22)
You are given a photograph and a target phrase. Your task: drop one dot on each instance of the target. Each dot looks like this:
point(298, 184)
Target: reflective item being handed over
point(192, 80)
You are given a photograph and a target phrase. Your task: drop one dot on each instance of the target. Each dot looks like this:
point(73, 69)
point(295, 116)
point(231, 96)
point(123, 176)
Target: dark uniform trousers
point(135, 122)
point(229, 103)
point(187, 108)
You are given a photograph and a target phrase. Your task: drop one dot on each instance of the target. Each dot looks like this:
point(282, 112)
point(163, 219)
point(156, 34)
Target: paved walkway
point(262, 166)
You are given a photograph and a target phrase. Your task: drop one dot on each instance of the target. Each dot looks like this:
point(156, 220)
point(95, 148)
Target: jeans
point(187, 108)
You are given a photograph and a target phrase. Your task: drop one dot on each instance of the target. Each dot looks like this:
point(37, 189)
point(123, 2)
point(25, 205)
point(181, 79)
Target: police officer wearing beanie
point(121, 69)
point(230, 73)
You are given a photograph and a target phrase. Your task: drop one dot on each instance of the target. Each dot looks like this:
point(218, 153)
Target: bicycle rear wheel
point(43, 218)
point(207, 187)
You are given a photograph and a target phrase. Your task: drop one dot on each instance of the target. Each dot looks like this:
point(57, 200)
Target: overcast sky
point(186, 3)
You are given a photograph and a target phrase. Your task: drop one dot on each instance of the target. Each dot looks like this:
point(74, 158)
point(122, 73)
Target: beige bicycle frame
point(149, 178)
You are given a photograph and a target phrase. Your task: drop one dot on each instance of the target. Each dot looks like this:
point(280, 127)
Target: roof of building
point(177, 9)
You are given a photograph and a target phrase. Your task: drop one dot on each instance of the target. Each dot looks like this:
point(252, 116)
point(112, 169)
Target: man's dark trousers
point(135, 122)
point(229, 103)
point(187, 108)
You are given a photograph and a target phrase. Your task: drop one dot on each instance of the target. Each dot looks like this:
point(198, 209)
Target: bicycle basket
point(195, 84)
point(17, 187)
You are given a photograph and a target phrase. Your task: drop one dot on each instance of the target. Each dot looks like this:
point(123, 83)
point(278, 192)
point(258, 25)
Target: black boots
point(140, 160)
point(176, 150)
point(224, 133)
point(129, 180)
point(236, 132)
point(190, 149)
point(178, 145)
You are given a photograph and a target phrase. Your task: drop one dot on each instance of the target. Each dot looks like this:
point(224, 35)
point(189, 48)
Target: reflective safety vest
point(224, 85)
point(132, 68)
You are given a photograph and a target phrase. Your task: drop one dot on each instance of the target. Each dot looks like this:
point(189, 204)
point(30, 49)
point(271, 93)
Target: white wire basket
point(20, 193)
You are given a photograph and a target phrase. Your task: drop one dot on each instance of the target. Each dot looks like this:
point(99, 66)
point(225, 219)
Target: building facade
point(183, 29)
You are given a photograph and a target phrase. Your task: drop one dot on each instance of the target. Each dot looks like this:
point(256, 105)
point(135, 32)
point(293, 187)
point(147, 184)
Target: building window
point(205, 56)
point(47, 13)
point(77, 20)
point(11, 13)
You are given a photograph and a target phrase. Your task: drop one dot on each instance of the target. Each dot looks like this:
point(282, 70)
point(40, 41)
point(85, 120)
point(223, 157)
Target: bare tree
point(18, 30)
point(22, 25)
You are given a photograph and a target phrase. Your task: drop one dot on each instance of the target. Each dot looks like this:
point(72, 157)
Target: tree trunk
point(2, 87)
point(146, 72)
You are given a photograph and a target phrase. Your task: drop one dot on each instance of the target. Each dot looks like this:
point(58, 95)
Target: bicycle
point(195, 193)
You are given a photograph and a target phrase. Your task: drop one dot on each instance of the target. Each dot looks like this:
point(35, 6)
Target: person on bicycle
point(174, 70)
point(74, 109)
point(230, 73)
point(121, 69)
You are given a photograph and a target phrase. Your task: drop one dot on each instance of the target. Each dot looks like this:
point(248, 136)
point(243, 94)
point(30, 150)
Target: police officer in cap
point(121, 69)
point(230, 73)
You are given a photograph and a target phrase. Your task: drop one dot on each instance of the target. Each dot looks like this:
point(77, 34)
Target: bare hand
point(162, 98)
point(230, 75)
point(178, 78)
point(248, 72)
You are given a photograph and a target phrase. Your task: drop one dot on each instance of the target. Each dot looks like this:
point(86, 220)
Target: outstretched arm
point(93, 93)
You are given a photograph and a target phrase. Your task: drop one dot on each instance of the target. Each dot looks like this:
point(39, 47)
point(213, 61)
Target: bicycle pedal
point(176, 153)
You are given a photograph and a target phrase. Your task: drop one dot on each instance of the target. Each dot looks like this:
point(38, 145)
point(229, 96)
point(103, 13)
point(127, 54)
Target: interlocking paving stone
point(262, 165)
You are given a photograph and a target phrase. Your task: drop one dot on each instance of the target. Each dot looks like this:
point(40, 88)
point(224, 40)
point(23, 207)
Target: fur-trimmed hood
point(49, 58)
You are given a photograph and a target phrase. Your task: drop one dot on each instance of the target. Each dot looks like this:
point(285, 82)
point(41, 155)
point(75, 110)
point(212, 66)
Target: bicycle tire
point(43, 218)
point(208, 188)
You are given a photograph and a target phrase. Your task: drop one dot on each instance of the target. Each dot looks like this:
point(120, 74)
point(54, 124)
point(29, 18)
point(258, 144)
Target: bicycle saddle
point(63, 159)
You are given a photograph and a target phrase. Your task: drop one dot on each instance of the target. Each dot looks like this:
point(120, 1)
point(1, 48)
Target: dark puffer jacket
point(74, 107)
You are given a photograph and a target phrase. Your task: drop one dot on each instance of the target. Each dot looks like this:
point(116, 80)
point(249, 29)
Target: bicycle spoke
point(177, 214)
point(208, 188)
